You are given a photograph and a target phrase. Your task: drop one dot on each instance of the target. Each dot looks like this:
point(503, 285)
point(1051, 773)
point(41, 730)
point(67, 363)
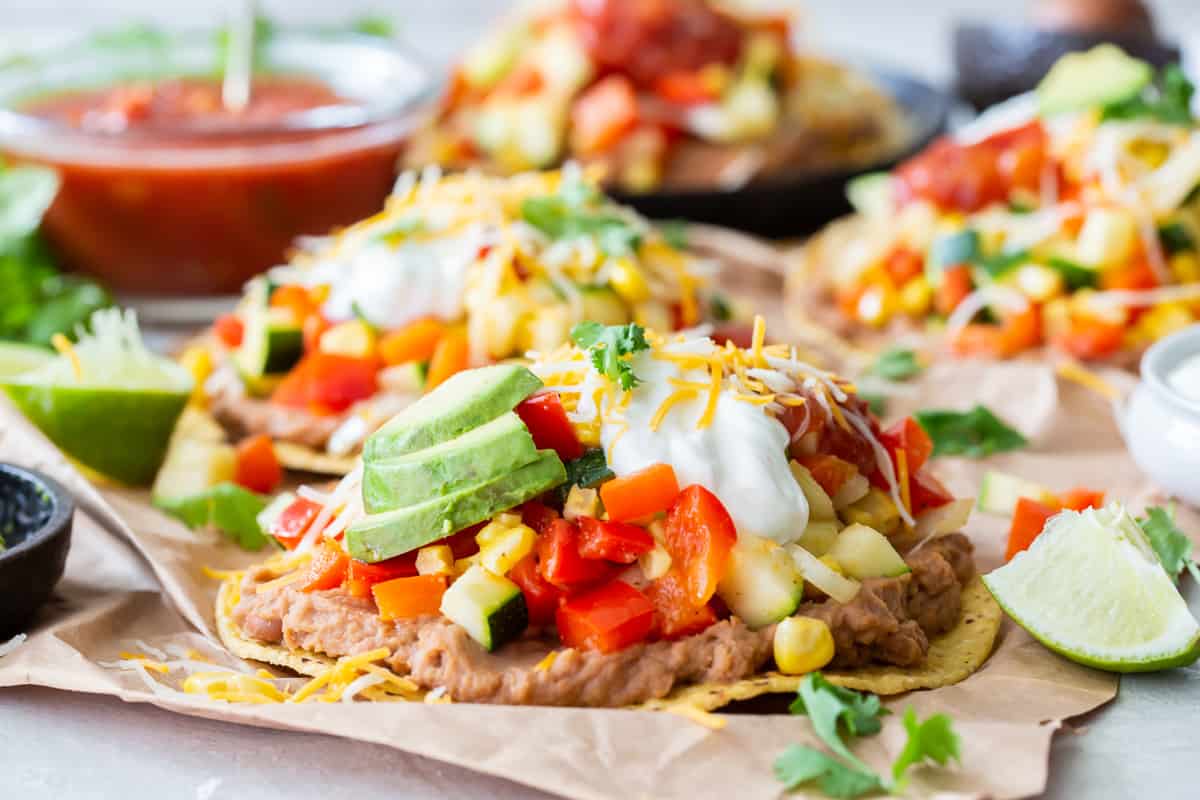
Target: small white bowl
point(1161, 426)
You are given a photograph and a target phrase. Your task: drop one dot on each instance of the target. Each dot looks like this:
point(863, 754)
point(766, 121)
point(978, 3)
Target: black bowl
point(784, 206)
point(35, 522)
point(996, 61)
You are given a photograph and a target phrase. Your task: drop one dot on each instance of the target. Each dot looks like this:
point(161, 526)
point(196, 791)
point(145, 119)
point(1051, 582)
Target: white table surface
point(56, 745)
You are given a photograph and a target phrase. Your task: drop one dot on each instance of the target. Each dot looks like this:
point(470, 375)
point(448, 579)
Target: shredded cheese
point(546, 663)
point(1077, 373)
point(64, 347)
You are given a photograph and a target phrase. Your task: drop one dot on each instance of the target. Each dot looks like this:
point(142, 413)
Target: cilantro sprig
point(977, 433)
point(1171, 545)
point(578, 209)
point(833, 709)
point(894, 364)
point(609, 347)
point(1168, 99)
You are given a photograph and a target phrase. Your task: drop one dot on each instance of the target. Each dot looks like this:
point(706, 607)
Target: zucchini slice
point(491, 608)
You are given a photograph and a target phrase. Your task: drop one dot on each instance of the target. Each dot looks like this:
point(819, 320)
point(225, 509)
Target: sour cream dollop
point(1185, 378)
point(741, 457)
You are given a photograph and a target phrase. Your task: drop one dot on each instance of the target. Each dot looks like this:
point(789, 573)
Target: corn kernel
point(588, 433)
point(627, 281)
point(581, 503)
point(1159, 322)
point(197, 361)
point(436, 559)
point(1185, 267)
point(355, 339)
point(1152, 153)
point(464, 564)
point(500, 547)
point(916, 297)
point(1108, 237)
point(1039, 283)
point(655, 563)
point(802, 645)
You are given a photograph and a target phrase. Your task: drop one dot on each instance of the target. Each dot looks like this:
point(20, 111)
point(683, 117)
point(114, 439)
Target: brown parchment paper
point(134, 580)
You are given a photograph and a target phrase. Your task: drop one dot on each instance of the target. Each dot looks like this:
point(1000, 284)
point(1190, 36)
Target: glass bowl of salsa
point(165, 193)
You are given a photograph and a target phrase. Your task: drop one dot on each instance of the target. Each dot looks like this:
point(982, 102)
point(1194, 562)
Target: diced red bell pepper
point(700, 536)
point(955, 285)
point(1134, 276)
point(229, 329)
point(640, 493)
point(561, 564)
point(290, 526)
point(926, 492)
point(607, 619)
point(830, 472)
point(544, 415)
point(538, 515)
point(909, 436)
point(463, 543)
point(541, 596)
point(327, 383)
point(401, 566)
point(903, 264)
point(674, 614)
point(257, 467)
point(406, 598)
point(1028, 520)
point(613, 541)
point(603, 114)
point(327, 570)
point(685, 88)
point(1078, 499)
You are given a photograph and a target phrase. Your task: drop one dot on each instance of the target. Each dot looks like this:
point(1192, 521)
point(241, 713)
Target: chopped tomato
point(257, 467)
point(541, 596)
point(830, 472)
point(903, 265)
point(312, 329)
point(639, 494)
point(909, 436)
point(401, 566)
point(603, 114)
point(416, 341)
point(955, 286)
point(1089, 338)
point(326, 383)
point(926, 492)
point(685, 88)
point(606, 619)
point(538, 515)
point(613, 541)
point(230, 329)
point(700, 536)
point(1028, 520)
point(675, 616)
point(297, 299)
point(290, 526)
point(561, 564)
point(544, 415)
point(1136, 275)
point(405, 598)
point(327, 570)
point(1080, 498)
point(451, 356)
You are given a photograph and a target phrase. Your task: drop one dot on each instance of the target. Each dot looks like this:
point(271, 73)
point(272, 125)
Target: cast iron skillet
point(35, 522)
point(783, 206)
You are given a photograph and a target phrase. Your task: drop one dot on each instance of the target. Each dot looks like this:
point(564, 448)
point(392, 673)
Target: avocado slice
point(464, 402)
point(1100, 77)
point(382, 536)
point(491, 450)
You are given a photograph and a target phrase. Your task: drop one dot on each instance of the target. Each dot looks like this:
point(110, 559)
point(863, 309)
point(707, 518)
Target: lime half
point(108, 402)
point(18, 358)
point(1092, 589)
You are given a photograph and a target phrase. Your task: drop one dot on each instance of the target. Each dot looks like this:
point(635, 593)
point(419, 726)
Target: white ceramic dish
point(1162, 426)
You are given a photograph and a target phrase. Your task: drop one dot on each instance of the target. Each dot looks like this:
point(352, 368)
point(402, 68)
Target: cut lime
point(1092, 589)
point(18, 358)
point(108, 402)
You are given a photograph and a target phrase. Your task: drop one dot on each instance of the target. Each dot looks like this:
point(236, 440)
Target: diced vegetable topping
point(606, 619)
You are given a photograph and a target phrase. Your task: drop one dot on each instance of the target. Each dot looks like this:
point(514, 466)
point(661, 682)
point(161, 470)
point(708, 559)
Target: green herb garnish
point(1173, 547)
point(896, 364)
point(226, 507)
point(999, 265)
point(1176, 238)
point(674, 233)
point(719, 309)
point(1075, 276)
point(977, 433)
point(587, 472)
point(578, 210)
point(1168, 99)
point(832, 710)
point(610, 347)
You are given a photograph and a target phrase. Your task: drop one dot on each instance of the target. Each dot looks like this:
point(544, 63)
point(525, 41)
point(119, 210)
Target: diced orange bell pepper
point(675, 616)
point(1079, 498)
point(955, 285)
point(297, 299)
point(405, 598)
point(451, 356)
point(903, 264)
point(640, 493)
point(416, 341)
point(1135, 275)
point(1089, 338)
point(700, 537)
point(327, 569)
point(685, 88)
point(230, 329)
point(1022, 330)
point(606, 619)
point(1018, 332)
point(830, 472)
point(1028, 520)
point(257, 467)
point(603, 114)
point(524, 79)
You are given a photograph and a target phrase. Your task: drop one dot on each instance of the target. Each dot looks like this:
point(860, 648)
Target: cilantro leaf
point(932, 739)
point(896, 364)
point(577, 210)
point(227, 507)
point(609, 347)
point(827, 705)
point(1171, 545)
point(799, 764)
point(1168, 99)
point(977, 433)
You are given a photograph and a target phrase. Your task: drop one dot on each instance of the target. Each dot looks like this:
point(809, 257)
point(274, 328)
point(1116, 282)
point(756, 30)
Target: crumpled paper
point(134, 580)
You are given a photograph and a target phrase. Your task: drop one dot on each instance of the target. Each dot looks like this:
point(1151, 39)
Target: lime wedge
point(1092, 589)
point(109, 403)
point(18, 358)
